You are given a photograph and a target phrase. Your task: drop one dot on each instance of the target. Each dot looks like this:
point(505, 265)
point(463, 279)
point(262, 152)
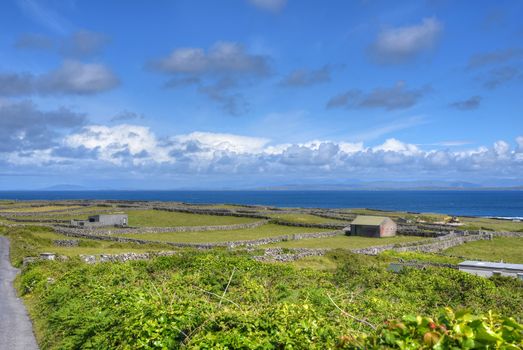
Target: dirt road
point(16, 330)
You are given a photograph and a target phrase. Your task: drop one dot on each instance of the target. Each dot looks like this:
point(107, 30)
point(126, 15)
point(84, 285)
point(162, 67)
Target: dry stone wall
point(91, 259)
point(139, 230)
point(66, 242)
point(81, 233)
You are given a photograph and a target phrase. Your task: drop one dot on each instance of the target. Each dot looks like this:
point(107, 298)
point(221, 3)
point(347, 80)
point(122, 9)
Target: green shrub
point(450, 330)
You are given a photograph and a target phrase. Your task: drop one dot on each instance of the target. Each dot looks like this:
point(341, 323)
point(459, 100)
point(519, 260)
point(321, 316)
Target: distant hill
point(388, 185)
point(65, 187)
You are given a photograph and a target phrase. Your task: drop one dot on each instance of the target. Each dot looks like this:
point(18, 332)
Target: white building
point(488, 269)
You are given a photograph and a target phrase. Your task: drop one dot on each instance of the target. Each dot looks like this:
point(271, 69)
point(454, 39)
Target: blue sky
point(247, 93)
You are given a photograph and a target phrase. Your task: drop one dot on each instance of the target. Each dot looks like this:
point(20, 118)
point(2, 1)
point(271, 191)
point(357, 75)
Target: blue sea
point(474, 203)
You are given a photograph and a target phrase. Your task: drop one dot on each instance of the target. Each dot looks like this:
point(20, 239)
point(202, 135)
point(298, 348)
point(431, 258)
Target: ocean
point(507, 204)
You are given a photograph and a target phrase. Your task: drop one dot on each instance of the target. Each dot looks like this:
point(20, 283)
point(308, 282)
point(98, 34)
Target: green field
point(344, 242)
point(268, 230)
point(306, 219)
point(31, 241)
point(500, 248)
point(491, 224)
point(469, 223)
point(159, 218)
point(38, 209)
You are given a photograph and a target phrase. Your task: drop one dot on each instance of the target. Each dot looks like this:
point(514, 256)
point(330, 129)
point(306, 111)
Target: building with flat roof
point(372, 226)
point(102, 220)
point(488, 269)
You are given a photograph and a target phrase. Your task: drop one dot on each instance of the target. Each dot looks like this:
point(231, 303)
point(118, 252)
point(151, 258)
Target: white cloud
point(216, 73)
point(222, 58)
point(396, 146)
point(395, 45)
point(519, 141)
point(118, 143)
point(225, 142)
point(78, 78)
point(202, 153)
point(72, 77)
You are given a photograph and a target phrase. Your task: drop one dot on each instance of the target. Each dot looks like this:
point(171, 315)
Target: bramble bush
point(451, 330)
point(226, 300)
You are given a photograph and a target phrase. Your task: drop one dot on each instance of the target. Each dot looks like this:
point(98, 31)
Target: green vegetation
point(460, 330)
point(469, 223)
point(38, 209)
point(33, 240)
point(421, 257)
point(225, 300)
point(345, 242)
point(491, 224)
point(160, 218)
point(268, 230)
point(500, 248)
point(307, 219)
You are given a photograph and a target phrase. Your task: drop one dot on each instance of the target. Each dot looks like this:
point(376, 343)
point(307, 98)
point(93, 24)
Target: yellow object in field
point(451, 219)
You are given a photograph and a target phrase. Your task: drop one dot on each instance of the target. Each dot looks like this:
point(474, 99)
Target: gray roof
point(491, 265)
point(369, 220)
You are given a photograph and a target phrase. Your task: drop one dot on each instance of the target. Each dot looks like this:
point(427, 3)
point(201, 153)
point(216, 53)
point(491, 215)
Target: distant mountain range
point(389, 185)
point(353, 186)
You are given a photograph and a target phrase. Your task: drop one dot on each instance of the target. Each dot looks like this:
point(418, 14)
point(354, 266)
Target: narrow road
point(16, 330)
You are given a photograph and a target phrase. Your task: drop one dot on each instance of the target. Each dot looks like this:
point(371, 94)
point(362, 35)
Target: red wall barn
point(372, 226)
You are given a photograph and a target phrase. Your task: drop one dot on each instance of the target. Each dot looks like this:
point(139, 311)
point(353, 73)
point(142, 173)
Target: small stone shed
point(372, 226)
point(488, 269)
point(102, 220)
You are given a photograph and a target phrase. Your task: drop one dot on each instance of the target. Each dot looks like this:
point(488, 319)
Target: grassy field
point(469, 223)
point(268, 230)
point(31, 241)
point(344, 242)
point(158, 218)
point(500, 248)
point(38, 209)
point(491, 224)
point(306, 219)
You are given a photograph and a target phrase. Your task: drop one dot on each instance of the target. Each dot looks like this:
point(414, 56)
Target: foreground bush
point(221, 300)
point(461, 330)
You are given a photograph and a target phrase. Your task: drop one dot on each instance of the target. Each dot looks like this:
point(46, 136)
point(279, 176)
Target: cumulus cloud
point(388, 98)
point(119, 144)
point(23, 127)
point(224, 142)
point(468, 104)
point(307, 77)
point(222, 58)
point(72, 77)
point(217, 73)
point(269, 5)
point(78, 78)
point(16, 84)
point(397, 45)
point(137, 149)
